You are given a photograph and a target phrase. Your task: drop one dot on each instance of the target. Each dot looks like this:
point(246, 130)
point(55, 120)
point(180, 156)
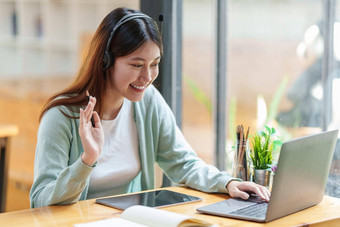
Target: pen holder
point(240, 164)
point(239, 171)
point(250, 167)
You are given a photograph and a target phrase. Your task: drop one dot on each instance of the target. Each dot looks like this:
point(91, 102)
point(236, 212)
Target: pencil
point(240, 145)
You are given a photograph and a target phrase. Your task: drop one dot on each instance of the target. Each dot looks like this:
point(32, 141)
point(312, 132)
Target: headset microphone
point(160, 18)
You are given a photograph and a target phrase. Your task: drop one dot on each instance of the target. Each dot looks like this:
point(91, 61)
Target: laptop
point(299, 182)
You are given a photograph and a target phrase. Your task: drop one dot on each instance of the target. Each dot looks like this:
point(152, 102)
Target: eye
point(155, 64)
point(137, 65)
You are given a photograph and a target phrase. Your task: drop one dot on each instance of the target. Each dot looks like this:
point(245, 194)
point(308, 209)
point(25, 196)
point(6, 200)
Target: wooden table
point(327, 213)
point(6, 132)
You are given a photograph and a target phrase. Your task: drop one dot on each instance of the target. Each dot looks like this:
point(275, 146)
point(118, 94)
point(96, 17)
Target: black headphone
point(108, 55)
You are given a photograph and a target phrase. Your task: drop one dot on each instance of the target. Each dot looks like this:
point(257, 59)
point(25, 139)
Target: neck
point(111, 106)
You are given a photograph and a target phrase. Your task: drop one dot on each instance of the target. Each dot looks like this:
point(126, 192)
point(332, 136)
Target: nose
point(145, 75)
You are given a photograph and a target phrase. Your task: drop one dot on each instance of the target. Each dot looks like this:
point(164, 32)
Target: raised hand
point(91, 137)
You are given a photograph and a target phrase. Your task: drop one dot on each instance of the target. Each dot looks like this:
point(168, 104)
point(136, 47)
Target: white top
point(119, 162)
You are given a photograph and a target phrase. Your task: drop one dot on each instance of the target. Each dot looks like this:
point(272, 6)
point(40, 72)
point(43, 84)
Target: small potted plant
point(263, 143)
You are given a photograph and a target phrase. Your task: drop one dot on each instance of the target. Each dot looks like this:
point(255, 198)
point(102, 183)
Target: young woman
point(108, 143)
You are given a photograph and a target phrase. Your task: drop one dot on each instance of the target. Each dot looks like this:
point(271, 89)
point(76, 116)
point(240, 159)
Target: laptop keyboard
point(257, 210)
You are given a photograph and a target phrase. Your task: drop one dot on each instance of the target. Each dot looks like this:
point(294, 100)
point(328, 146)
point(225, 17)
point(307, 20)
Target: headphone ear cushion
point(107, 60)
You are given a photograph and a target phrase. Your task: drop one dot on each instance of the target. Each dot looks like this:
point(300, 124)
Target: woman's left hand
point(240, 189)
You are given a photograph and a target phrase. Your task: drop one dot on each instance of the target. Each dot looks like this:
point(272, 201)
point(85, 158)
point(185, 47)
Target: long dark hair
point(91, 76)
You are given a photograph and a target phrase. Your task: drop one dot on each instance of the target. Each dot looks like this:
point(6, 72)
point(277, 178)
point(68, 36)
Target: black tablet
point(159, 198)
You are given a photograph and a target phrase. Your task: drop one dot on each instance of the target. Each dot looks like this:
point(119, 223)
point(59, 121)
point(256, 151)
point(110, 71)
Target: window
point(276, 65)
point(198, 75)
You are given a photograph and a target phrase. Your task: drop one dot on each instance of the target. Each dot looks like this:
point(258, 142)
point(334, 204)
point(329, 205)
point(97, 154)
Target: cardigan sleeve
point(56, 181)
point(179, 161)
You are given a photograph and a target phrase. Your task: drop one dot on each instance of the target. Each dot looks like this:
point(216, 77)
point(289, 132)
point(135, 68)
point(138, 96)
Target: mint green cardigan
point(60, 177)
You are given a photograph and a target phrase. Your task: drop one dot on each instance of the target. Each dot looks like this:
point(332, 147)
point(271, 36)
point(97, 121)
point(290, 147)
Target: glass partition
point(274, 67)
point(275, 71)
point(333, 184)
point(198, 75)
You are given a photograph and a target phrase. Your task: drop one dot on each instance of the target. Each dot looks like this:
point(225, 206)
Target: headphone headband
point(108, 58)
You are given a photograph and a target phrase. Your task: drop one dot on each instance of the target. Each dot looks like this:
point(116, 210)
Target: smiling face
point(133, 73)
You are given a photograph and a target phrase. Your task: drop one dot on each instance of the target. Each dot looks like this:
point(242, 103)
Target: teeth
point(138, 87)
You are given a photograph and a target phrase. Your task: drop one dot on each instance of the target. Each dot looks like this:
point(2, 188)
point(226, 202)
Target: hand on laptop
point(240, 189)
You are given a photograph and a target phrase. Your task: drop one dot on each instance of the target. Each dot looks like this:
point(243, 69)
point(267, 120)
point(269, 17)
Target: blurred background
point(275, 65)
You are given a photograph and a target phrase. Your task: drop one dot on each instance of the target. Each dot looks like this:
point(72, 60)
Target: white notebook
point(142, 216)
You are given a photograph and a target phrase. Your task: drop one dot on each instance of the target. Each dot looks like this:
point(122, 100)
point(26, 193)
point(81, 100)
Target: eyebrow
point(142, 59)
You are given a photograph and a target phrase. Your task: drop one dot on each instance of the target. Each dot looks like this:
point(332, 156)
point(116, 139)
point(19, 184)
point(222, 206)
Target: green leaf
point(273, 131)
point(268, 129)
point(277, 143)
point(273, 107)
point(264, 143)
point(254, 162)
point(198, 93)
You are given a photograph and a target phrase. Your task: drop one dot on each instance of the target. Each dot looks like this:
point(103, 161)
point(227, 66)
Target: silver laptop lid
point(301, 175)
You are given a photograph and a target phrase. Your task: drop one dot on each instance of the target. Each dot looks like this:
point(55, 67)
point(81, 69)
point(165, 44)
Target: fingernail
point(245, 197)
